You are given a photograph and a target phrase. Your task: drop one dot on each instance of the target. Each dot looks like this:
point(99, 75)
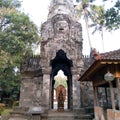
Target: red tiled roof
point(112, 55)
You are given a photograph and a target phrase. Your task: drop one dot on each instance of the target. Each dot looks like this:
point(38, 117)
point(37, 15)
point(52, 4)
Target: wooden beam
point(98, 83)
point(96, 101)
point(110, 62)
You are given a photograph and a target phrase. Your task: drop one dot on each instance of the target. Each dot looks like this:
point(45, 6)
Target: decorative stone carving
point(62, 7)
point(61, 27)
point(32, 65)
point(66, 36)
point(37, 101)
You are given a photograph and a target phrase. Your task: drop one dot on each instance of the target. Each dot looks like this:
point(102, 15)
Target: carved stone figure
point(58, 89)
point(61, 27)
point(60, 101)
point(60, 97)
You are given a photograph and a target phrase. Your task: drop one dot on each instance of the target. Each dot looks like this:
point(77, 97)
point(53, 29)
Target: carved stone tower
point(61, 49)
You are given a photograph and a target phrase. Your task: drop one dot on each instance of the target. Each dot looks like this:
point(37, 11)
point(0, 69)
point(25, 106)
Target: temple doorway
point(61, 76)
point(60, 86)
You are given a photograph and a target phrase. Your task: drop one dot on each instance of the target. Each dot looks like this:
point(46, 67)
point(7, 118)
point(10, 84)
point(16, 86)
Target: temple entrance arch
point(61, 62)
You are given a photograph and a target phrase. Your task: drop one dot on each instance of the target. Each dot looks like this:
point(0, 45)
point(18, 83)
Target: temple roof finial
point(61, 7)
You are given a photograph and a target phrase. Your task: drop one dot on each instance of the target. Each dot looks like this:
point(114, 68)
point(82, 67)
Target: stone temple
point(61, 49)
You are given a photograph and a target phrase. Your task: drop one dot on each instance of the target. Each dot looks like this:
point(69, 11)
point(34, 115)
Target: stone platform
point(67, 115)
point(78, 114)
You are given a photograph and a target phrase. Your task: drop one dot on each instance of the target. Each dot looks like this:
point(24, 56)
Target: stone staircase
point(78, 114)
point(55, 115)
point(19, 114)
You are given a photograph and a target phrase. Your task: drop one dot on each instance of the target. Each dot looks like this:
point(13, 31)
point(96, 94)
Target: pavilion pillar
point(118, 87)
point(96, 101)
point(112, 95)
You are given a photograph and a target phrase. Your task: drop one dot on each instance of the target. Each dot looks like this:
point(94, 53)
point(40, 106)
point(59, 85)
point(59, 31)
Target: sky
point(37, 10)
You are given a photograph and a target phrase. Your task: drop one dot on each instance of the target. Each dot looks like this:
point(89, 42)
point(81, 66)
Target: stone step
point(84, 113)
point(55, 115)
point(83, 117)
point(87, 110)
point(18, 117)
point(19, 110)
point(66, 115)
point(19, 113)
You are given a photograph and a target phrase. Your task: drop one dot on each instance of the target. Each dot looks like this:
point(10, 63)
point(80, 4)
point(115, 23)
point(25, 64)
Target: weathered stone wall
point(87, 98)
point(31, 83)
point(30, 92)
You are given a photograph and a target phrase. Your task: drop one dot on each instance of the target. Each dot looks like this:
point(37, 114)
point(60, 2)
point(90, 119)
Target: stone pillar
point(26, 91)
point(46, 91)
point(76, 92)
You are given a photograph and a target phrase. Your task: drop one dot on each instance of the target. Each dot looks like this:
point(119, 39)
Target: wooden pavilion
point(105, 63)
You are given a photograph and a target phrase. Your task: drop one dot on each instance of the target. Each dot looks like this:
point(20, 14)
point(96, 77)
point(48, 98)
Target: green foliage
point(17, 36)
point(6, 111)
point(82, 10)
point(113, 17)
point(60, 79)
point(83, 0)
point(16, 103)
point(60, 82)
point(1, 107)
point(97, 17)
point(17, 32)
point(9, 4)
point(1, 110)
point(109, 19)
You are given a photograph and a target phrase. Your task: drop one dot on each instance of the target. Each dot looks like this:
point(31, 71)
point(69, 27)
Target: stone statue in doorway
point(60, 102)
point(60, 97)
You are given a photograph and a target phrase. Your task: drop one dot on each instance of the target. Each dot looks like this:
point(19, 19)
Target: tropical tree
point(112, 17)
point(109, 19)
point(82, 10)
point(17, 36)
point(98, 19)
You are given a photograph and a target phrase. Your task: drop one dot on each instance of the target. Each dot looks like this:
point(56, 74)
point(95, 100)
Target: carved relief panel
point(65, 34)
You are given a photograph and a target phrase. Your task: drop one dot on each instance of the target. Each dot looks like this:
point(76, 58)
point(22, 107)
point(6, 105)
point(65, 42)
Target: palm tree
point(82, 9)
point(98, 18)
